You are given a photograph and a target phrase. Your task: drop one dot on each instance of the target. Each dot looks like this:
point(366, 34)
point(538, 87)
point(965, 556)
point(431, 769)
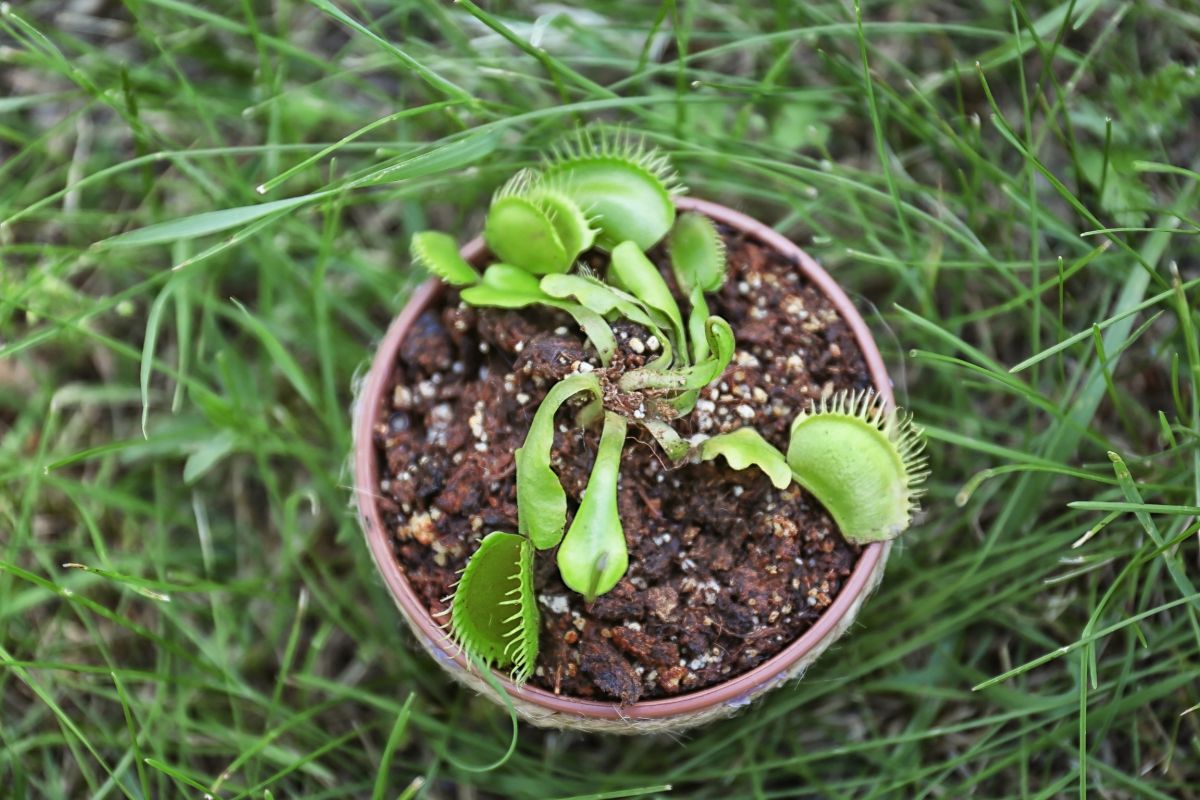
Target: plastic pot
point(544, 708)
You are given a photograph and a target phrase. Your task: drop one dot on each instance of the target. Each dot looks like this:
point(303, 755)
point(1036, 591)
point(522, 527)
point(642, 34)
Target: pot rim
point(733, 691)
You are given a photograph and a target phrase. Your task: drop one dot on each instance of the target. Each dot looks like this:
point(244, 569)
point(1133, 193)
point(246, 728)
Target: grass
point(205, 211)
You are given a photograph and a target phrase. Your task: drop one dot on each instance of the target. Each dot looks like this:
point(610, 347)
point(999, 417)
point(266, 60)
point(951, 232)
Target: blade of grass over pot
point(635, 273)
point(541, 501)
point(506, 286)
point(746, 447)
point(438, 253)
point(498, 578)
point(697, 254)
point(623, 184)
point(592, 557)
point(453, 155)
point(862, 463)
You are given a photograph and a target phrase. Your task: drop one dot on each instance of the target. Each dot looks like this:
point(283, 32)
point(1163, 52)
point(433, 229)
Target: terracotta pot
point(544, 708)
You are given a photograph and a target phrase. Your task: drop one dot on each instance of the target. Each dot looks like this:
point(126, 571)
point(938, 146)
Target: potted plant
point(630, 458)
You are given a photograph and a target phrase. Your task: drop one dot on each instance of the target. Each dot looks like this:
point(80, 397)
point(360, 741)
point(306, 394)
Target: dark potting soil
point(724, 569)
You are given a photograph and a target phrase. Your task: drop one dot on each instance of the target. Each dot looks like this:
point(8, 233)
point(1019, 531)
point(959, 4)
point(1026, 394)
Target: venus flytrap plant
point(697, 254)
point(603, 299)
point(632, 271)
point(540, 496)
point(746, 447)
point(863, 463)
point(698, 261)
point(494, 616)
point(536, 226)
point(593, 556)
point(685, 382)
point(438, 253)
point(624, 185)
point(611, 194)
point(506, 286)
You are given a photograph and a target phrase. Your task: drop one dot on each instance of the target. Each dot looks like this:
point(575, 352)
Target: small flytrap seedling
point(863, 463)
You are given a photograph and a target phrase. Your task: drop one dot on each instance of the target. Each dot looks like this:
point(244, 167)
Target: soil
point(724, 569)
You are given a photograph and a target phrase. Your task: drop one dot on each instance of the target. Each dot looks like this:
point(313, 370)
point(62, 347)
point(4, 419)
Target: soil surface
point(724, 569)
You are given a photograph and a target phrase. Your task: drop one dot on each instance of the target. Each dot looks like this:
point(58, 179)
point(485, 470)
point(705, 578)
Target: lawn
point(1009, 193)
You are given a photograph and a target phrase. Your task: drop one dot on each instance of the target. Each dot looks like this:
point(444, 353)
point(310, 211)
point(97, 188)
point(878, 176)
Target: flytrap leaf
point(862, 463)
point(573, 227)
point(598, 296)
point(623, 184)
point(519, 232)
point(535, 226)
point(698, 260)
point(541, 501)
point(719, 336)
point(494, 615)
point(635, 273)
point(438, 253)
point(674, 445)
point(696, 320)
point(603, 299)
point(697, 254)
point(506, 286)
point(592, 557)
point(746, 447)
